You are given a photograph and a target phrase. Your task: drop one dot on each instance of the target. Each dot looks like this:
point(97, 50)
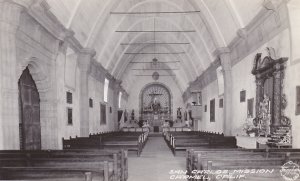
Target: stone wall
point(31, 36)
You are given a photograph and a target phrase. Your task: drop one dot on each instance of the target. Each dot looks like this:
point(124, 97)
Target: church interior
point(149, 89)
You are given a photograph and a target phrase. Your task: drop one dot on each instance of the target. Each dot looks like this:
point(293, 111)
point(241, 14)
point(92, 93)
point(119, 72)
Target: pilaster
point(224, 55)
point(84, 61)
point(9, 117)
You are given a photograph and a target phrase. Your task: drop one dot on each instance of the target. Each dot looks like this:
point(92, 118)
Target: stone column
point(259, 93)
point(9, 109)
point(84, 60)
point(117, 90)
point(224, 54)
point(278, 77)
point(60, 88)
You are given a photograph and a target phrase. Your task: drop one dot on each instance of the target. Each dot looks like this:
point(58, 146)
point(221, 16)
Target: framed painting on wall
point(212, 110)
point(243, 96)
point(102, 114)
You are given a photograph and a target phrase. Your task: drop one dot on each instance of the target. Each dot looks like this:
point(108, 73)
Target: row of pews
point(241, 164)
point(64, 165)
point(98, 157)
point(131, 141)
point(213, 156)
point(184, 140)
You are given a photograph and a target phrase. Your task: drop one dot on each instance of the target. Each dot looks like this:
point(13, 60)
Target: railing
point(135, 129)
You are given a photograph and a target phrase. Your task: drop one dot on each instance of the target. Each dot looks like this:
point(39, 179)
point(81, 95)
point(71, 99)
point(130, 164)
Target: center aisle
point(155, 162)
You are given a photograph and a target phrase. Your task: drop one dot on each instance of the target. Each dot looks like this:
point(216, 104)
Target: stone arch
point(42, 76)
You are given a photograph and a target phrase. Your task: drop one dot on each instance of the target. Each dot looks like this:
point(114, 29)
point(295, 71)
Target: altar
point(250, 142)
point(155, 108)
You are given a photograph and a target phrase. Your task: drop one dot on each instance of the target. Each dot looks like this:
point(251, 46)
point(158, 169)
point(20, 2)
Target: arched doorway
point(155, 105)
point(29, 105)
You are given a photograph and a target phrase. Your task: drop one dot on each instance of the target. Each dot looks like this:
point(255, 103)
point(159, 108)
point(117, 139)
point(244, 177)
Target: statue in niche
point(179, 115)
point(156, 106)
point(264, 115)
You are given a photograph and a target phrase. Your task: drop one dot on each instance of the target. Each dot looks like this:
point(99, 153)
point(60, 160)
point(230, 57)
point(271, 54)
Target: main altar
point(155, 109)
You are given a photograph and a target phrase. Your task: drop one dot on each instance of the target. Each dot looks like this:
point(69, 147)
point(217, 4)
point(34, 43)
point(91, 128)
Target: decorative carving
point(270, 101)
point(155, 102)
point(285, 121)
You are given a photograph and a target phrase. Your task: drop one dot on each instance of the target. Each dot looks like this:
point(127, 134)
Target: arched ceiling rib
point(215, 24)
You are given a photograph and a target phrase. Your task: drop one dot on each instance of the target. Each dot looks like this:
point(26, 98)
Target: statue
point(132, 115)
point(156, 106)
point(264, 115)
point(179, 116)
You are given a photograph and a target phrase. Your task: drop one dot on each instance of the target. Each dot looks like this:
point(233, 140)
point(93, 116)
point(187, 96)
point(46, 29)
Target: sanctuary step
point(152, 134)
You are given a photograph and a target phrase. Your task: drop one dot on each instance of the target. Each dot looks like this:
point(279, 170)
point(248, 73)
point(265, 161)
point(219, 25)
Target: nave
point(155, 163)
point(85, 85)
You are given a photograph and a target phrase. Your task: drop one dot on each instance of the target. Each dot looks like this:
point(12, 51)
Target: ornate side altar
point(270, 99)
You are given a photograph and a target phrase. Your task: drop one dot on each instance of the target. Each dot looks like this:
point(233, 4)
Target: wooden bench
point(118, 140)
point(234, 159)
point(196, 139)
point(65, 165)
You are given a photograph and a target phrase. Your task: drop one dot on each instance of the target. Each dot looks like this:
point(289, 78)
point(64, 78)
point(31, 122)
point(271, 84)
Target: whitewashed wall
point(208, 93)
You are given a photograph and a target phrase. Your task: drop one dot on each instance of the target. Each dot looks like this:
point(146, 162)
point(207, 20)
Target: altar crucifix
point(154, 103)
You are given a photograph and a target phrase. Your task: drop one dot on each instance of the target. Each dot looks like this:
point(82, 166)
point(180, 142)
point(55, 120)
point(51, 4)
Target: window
point(91, 102)
point(120, 99)
point(205, 108)
point(103, 114)
point(106, 83)
point(69, 97)
point(220, 79)
point(70, 116)
point(212, 110)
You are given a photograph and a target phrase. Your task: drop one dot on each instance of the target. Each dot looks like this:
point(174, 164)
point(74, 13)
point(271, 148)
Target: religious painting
point(298, 100)
point(70, 116)
point(250, 106)
point(220, 103)
point(243, 96)
point(91, 103)
point(69, 97)
point(212, 110)
point(102, 114)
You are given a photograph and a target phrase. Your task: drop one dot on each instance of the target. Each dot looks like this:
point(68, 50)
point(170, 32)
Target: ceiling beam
point(152, 12)
point(152, 75)
point(155, 31)
point(155, 69)
point(157, 62)
point(161, 43)
point(153, 53)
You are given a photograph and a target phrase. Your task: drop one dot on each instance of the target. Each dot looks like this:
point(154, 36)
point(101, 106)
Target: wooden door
point(29, 101)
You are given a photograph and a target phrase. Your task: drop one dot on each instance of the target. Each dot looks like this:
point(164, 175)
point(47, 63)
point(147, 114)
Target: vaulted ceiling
point(122, 33)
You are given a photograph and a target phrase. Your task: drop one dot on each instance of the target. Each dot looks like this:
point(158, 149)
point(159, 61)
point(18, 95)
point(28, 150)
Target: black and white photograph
point(150, 90)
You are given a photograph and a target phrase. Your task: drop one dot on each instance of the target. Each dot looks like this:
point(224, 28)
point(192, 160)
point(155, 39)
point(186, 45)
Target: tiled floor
point(155, 162)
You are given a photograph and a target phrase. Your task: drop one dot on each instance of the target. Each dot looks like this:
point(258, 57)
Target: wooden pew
point(218, 159)
point(117, 140)
point(109, 165)
point(197, 139)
